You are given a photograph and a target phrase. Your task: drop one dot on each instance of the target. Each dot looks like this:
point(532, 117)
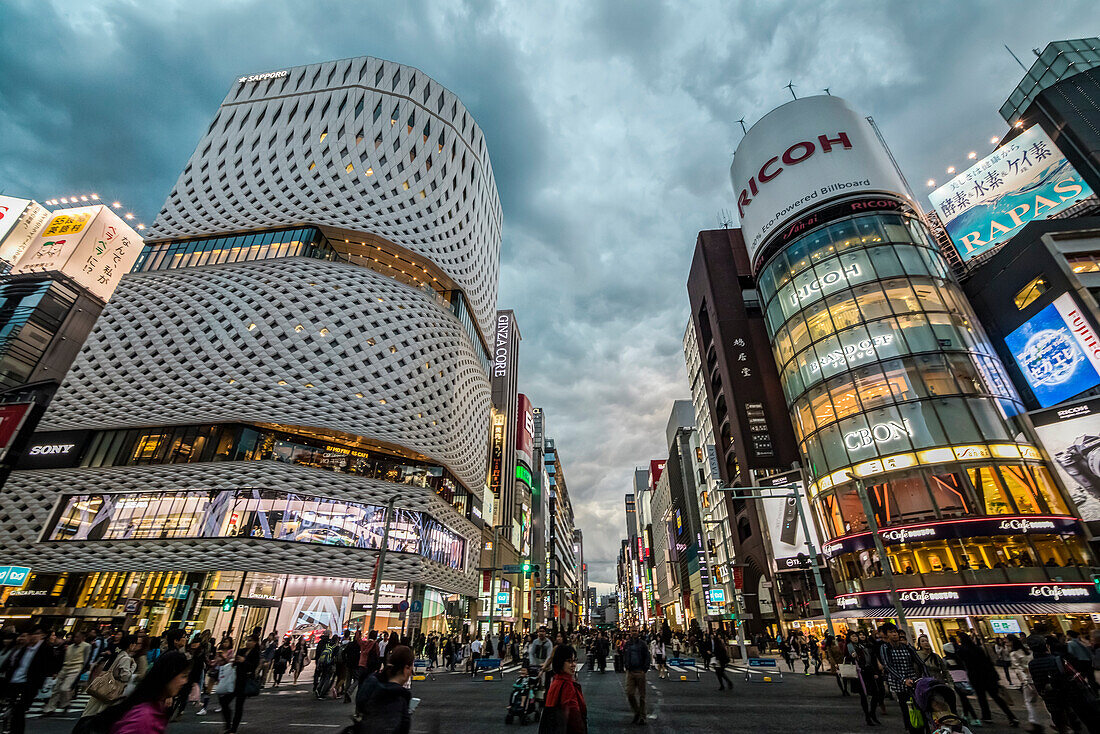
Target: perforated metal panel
point(362, 144)
point(292, 341)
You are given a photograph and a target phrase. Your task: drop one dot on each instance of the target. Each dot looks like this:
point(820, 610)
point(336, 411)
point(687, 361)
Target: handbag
point(107, 687)
point(916, 718)
point(227, 680)
point(251, 686)
point(848, 670)
point(552, 721)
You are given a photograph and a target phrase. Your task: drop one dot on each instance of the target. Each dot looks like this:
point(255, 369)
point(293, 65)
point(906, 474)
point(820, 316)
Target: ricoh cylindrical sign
point(800, 156)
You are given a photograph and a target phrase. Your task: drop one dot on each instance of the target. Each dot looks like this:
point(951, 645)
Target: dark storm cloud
point(610, 125)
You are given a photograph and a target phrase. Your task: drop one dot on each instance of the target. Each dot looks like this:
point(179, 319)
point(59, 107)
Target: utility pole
point(381, 561)
point(884, 560)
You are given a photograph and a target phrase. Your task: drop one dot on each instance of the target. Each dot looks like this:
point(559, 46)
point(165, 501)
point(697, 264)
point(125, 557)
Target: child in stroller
point(936, 701)
point(524, 702)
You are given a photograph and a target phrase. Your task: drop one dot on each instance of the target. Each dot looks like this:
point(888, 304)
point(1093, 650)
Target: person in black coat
point(982, 675)
point(23, 675)
point(382, 701)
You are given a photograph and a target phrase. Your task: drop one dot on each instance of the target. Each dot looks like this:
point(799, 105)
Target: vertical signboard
point(12, 417)
point(496, 462)
point(1025, 179)
point(90, 244)
point(1057, 351)
point(1071, 436)
point(525, 431)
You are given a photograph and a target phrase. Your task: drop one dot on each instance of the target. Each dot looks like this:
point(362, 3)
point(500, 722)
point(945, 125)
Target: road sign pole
point(381, 561)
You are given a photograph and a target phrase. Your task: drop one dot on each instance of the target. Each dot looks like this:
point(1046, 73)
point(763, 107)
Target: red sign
point(738, 578)
point(486, 580)
point(11, 420)
point(525, 430)
point(656, 468)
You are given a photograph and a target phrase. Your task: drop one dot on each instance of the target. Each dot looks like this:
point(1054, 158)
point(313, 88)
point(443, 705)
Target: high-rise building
point(562, 562)
point(304, 338)
point(898, 400)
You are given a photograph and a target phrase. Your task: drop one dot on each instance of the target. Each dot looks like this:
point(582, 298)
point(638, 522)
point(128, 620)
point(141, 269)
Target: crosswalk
point(75, 707)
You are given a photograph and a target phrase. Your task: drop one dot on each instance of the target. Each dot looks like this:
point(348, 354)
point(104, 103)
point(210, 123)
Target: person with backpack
point(983, 677)
point(1066, 694)
point(636, 660)
point(326, 666)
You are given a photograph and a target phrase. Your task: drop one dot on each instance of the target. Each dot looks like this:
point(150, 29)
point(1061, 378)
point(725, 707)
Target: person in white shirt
point(76, 655)
point(657, 650)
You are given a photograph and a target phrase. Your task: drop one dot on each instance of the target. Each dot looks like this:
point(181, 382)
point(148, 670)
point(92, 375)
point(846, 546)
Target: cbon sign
point(878, 433)
point(802, 155)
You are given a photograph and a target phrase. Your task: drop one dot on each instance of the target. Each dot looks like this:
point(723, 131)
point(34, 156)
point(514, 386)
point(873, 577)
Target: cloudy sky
point(610, 123)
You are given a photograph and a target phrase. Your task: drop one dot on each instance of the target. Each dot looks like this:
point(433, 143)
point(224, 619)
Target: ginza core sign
point(802, 155)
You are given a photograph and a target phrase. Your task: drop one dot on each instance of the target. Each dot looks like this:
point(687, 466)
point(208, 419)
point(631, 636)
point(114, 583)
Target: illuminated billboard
point(525, 431)
point(1058, 352)
point(20, 222)
point(800, 156)
point(1023, 180)
point(90, 244)
point(1071, 436)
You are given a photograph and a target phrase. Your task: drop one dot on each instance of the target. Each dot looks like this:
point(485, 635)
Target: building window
point(1027, 295)
point(1084, 262)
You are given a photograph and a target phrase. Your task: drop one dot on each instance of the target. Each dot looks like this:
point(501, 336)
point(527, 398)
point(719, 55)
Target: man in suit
point(24, 673)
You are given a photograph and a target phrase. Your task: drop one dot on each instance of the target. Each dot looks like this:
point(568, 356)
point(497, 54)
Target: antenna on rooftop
point(1015, 57)
point(790, 88)
point(725, 218)
point(742, 123)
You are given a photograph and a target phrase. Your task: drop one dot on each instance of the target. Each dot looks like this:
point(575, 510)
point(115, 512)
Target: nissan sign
point(801, 156)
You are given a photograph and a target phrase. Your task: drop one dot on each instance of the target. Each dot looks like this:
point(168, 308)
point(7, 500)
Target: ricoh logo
point(924, 596)
point(1026, 526)
point(792, 156)
point(904, 534)
point(1058, 592)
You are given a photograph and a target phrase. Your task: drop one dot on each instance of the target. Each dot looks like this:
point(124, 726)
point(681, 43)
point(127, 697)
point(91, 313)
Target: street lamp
point(884, 560)
point(493, 574)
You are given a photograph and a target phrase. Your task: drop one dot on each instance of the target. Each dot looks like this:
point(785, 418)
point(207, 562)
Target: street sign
point(738, 578)
point(417, 606)
point(513, 568)
point(177, 591)
point(717, 596)
point(502, 597)
point(403, 606)
point(132, 606)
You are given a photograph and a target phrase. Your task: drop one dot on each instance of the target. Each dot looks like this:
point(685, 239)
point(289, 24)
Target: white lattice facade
point(329, 349)
point(362, 144)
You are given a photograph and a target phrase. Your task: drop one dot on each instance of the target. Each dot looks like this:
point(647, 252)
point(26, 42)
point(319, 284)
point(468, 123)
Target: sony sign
point(802, 155)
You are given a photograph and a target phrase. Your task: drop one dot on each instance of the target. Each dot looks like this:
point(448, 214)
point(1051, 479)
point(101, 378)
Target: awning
point(931, 611)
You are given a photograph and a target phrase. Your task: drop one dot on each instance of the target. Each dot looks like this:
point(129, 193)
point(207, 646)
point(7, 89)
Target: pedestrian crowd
point(1053, 673)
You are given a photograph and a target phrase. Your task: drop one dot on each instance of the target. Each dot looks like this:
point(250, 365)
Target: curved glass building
point(893, 388)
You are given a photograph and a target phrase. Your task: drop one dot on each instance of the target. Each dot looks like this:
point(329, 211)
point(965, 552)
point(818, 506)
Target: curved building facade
point(895, 394)
point(302, 340)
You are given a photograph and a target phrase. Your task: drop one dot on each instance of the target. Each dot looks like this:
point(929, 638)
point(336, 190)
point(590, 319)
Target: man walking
point(25, 672)
point(636, 660)
point(76, 655)
point(903, 668)
point(602, 647)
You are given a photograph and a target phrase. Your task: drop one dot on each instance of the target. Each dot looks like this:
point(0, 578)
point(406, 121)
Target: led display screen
point(1071, 435)
point(1057, 351)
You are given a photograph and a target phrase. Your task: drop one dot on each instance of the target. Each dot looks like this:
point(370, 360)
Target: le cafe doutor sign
point(1045, 593)
point(979, 527)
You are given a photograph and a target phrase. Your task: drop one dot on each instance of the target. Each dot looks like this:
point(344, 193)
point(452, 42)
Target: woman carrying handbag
point(109, 686)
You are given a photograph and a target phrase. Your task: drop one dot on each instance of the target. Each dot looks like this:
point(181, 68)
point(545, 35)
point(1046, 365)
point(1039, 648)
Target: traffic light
point(527, 567)
point(228, 603)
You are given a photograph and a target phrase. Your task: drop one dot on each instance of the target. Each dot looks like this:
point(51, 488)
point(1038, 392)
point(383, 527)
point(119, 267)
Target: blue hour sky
point(610, 125)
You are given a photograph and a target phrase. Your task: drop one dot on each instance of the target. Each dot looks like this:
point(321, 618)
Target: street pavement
point(458, 704)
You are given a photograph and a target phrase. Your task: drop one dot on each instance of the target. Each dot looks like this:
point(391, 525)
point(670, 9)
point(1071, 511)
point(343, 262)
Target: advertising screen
point(1025, 179)
point(1071, 436)
point(1057, 351)
point(788, 536)
point(802, 155)
point(20, 222)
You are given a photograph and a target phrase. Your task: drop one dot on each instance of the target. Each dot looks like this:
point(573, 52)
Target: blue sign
point(417, 606)
point(13, 575)
point(763, 663)
point(1056, 352)
point(717, 596)
point(502, 598)
point(177, 591)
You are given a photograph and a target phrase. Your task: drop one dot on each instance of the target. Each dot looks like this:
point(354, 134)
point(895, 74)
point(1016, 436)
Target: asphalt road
point(457, 704)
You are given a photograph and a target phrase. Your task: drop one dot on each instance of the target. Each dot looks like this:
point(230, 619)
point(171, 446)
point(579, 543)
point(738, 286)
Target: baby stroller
point(523, 703)
point(936, 701)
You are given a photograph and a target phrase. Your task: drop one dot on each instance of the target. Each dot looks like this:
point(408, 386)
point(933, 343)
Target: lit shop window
point(1027, 295)
point(253, 513)
point(1084, 263)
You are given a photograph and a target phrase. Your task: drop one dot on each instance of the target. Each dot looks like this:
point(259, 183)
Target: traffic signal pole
point(381, 560)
